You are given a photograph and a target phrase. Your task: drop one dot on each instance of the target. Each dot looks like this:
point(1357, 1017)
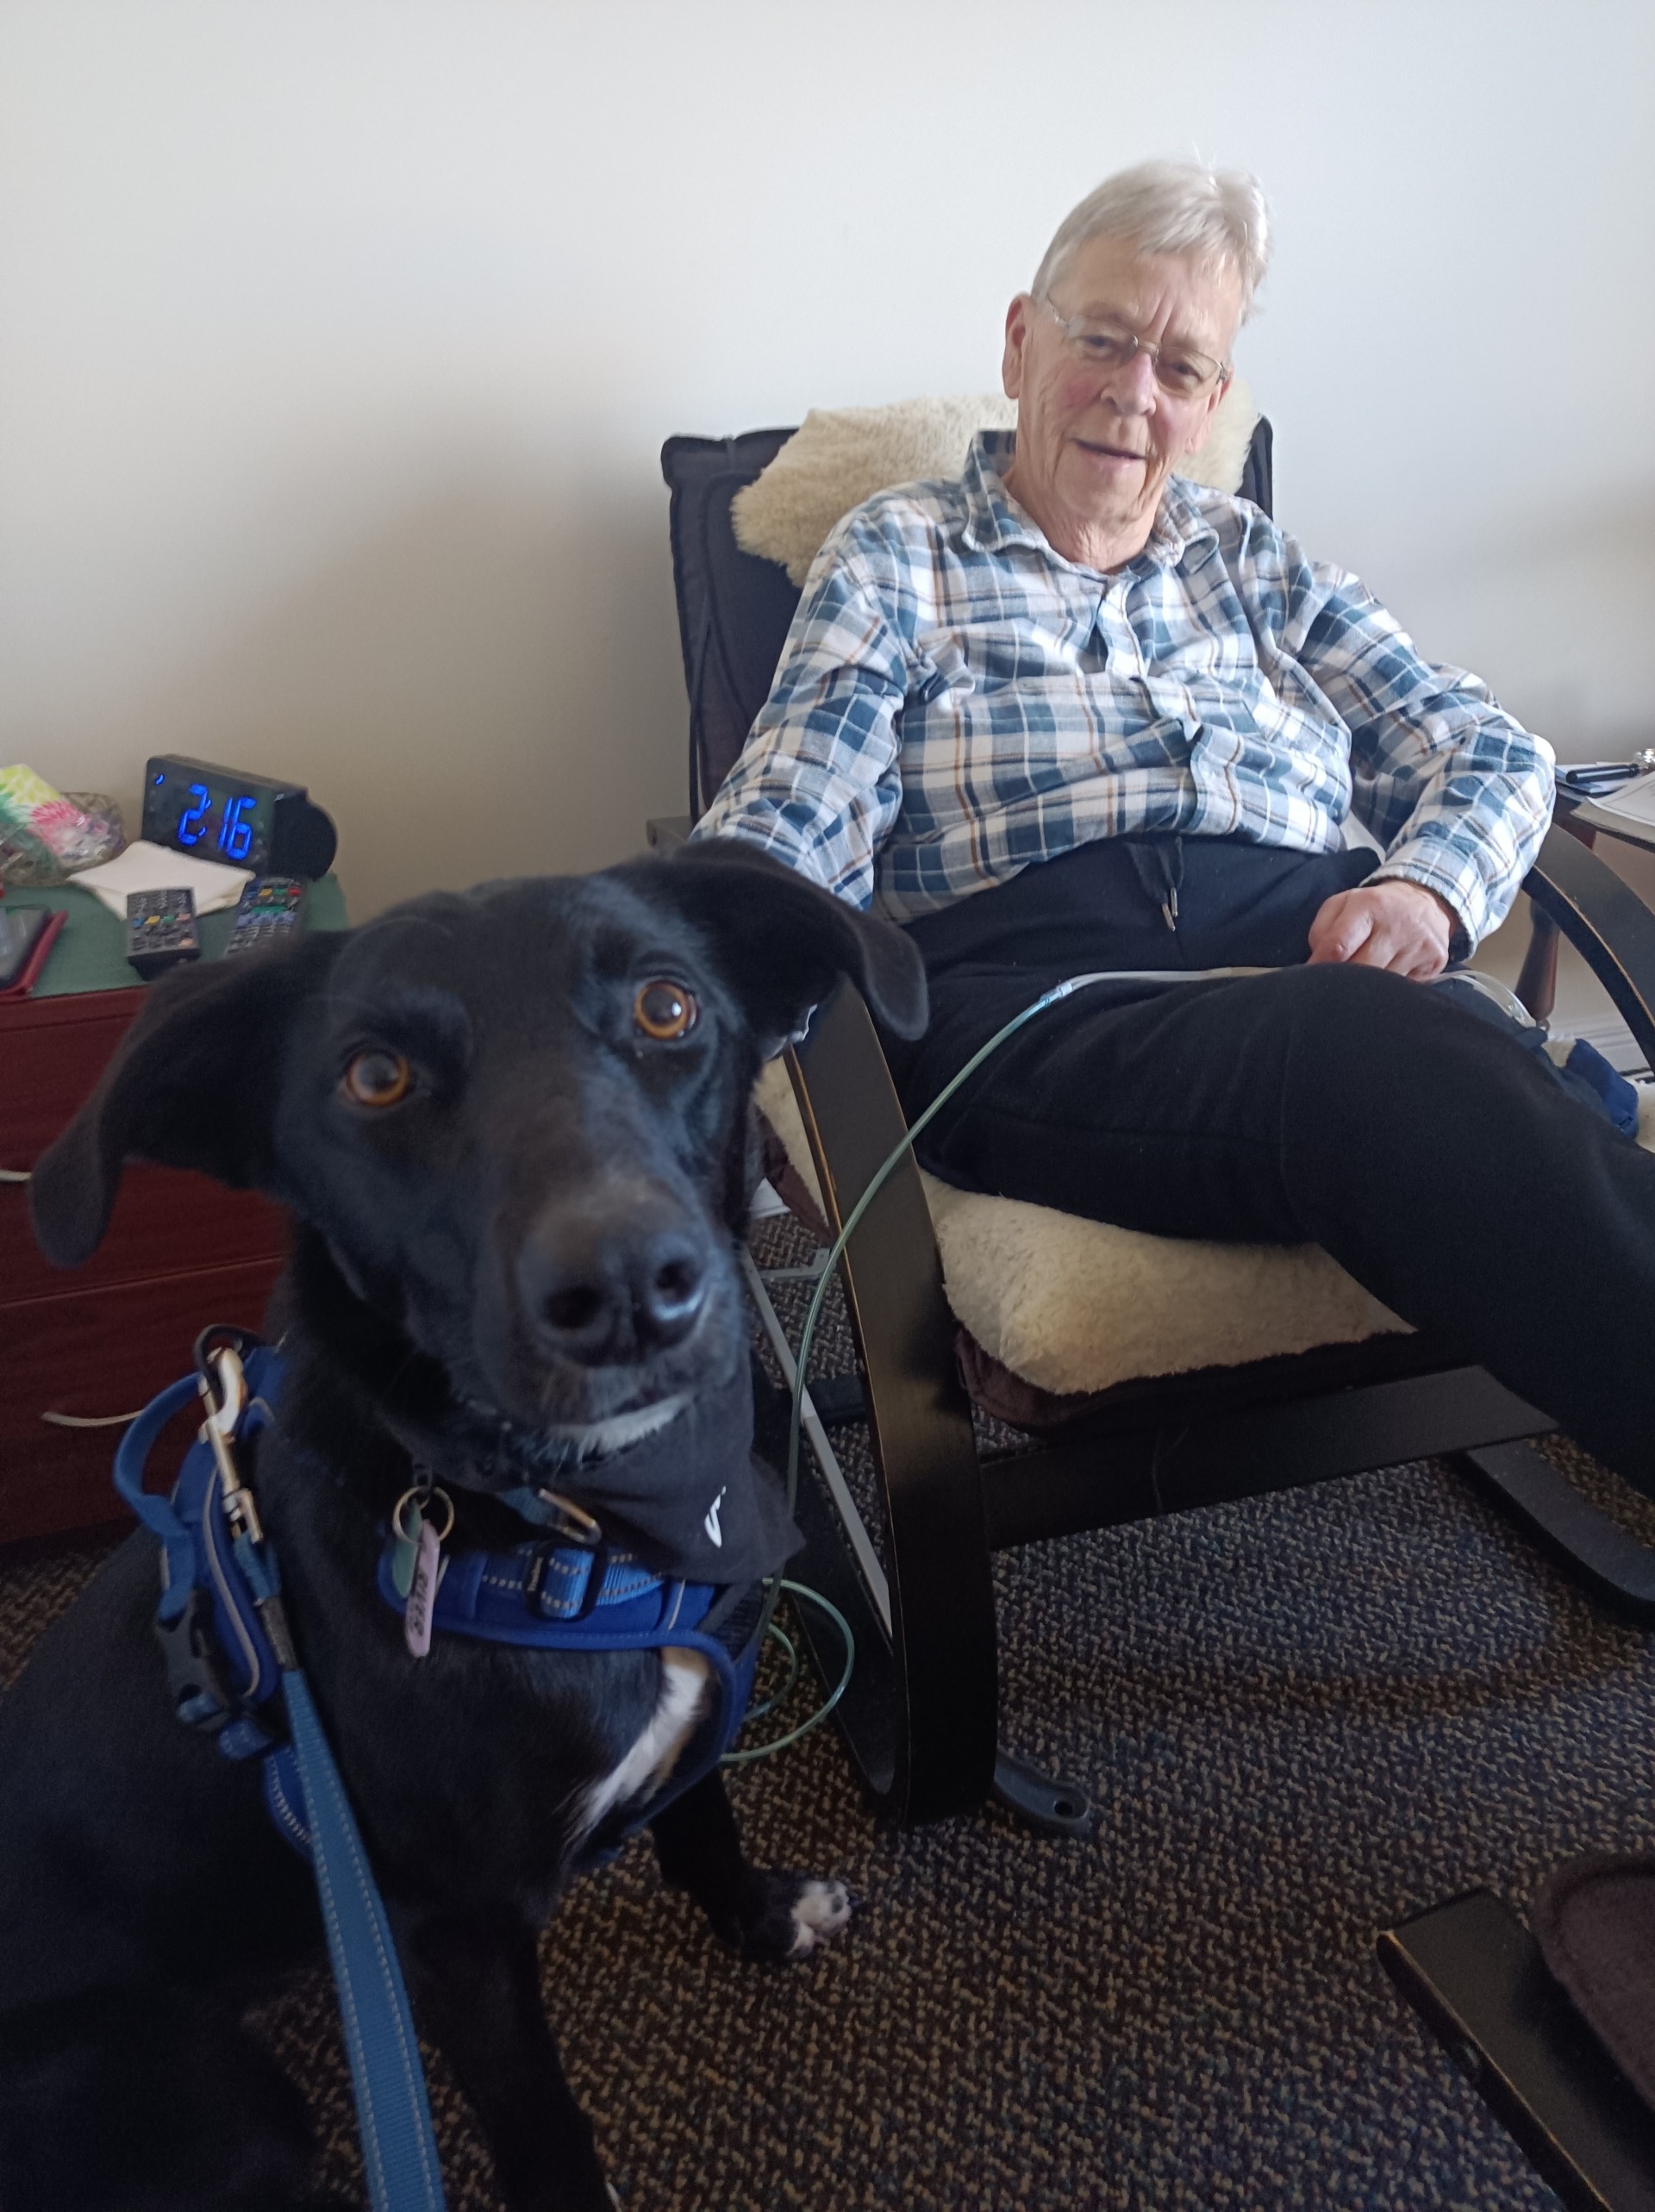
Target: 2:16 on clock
point(215, 818)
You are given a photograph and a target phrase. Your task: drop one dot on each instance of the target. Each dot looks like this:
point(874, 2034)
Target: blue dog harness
point(224, 1630)
point(542, 1595)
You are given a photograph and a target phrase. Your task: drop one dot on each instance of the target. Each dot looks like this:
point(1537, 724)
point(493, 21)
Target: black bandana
point(691, 1500)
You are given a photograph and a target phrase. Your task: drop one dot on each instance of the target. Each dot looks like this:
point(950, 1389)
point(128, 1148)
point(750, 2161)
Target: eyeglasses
point(1180, 371)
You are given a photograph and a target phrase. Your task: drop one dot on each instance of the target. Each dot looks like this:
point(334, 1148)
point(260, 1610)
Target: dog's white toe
point(820, 1910)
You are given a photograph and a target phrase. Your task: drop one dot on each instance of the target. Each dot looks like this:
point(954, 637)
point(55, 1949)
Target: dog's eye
point(664, 1010)
point(378, 1077)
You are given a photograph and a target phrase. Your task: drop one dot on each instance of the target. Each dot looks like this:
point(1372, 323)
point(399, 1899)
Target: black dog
point(512, 1126)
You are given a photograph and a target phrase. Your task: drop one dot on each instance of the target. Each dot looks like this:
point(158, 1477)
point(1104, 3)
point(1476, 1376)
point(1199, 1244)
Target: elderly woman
point(1072, 712)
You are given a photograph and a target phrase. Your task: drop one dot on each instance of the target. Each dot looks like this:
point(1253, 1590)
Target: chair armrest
point(1605, 921)
point(851, 1114)
point(942, 1596)
point(667, 830)
point(892, 1271)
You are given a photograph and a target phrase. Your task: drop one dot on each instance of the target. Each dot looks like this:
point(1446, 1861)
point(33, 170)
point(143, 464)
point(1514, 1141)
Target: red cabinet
point(101, 1339)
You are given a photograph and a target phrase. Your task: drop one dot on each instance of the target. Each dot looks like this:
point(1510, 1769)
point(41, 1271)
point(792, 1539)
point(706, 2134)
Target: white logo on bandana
point(715, 1535)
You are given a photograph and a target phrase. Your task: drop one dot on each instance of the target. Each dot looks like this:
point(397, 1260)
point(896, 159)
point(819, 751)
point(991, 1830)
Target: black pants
point(1438, 1161)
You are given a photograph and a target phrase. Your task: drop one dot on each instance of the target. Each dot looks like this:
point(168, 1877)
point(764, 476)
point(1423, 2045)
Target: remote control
point(160, 930)
point(268, 913)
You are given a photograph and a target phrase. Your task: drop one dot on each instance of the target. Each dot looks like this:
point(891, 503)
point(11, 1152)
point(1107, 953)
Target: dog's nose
point(605, 1296)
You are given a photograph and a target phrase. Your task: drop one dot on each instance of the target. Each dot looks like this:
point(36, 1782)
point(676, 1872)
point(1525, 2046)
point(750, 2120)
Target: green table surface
point(90, 953)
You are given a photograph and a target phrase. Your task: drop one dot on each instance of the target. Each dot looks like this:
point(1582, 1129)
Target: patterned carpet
point(1304, 1717)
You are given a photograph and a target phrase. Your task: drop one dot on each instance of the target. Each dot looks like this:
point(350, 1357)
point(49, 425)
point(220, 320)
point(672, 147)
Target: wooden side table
point(95, 1346)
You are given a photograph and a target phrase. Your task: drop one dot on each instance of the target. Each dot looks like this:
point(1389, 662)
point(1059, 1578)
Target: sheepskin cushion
point(841, 456)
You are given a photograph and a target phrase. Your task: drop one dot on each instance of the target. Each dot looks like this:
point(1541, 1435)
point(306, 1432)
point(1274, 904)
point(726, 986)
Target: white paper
point(146, 867)
point(1636, 800)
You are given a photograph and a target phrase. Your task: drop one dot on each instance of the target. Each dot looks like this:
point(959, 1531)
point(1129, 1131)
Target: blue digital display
point(198, 811)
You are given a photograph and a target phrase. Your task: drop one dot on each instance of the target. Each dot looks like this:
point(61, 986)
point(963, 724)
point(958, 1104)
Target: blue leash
point(399, 2147)
point(393, 2113)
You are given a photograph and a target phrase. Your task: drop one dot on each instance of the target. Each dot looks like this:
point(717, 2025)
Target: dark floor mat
point(1593, 1920)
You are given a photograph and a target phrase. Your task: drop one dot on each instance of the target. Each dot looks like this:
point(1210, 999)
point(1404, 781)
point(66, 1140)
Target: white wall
point(340, 337)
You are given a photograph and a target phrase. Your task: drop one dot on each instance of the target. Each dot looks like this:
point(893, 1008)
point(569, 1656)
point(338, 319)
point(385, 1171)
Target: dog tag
point(410, 1526)
point(423, 1592)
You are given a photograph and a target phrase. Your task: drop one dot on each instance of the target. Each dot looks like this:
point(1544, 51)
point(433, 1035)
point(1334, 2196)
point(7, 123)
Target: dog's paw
point(819, 1911)
point(787, 1914)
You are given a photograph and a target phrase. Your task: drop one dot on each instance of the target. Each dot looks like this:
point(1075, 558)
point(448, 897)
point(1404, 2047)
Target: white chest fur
point(651, 1759)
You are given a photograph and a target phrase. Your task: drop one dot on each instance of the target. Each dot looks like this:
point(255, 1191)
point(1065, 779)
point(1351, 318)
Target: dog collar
point(509, 1597)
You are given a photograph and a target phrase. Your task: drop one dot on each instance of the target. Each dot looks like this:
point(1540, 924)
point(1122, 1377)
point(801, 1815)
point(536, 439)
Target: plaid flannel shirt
point(957, 701)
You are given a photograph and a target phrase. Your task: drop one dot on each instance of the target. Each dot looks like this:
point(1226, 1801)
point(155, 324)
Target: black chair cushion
point(733, 609)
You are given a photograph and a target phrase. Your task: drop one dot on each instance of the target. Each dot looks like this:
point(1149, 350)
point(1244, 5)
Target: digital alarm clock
point(259, 823)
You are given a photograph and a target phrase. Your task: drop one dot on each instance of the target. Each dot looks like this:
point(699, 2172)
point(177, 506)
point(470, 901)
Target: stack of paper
point(146, 867)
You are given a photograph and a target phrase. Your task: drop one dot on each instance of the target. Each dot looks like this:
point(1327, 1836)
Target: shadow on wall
point(480, 687)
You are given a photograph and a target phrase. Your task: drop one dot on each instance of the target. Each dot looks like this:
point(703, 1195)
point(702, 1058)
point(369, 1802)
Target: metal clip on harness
point(224, 1386)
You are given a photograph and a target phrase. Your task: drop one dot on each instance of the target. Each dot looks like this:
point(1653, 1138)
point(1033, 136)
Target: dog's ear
point(192, 1085)
point(782, 940)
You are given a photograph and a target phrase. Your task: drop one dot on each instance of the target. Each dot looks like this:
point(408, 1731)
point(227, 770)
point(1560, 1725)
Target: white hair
point(1216, 217)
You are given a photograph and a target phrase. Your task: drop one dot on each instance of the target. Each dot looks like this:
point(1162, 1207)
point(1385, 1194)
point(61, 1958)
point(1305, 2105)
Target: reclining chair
point(1346, 1391)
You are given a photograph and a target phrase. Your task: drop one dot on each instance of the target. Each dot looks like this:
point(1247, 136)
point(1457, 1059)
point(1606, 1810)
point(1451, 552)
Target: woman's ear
point(781, 940)
point(193, 1084)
